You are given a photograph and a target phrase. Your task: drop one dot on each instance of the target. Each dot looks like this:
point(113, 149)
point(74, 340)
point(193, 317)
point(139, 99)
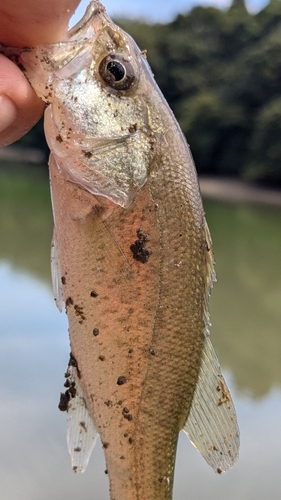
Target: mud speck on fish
point(64, 400)
point(79, 312)
point(83, 425)
point(121, 380)
point(69, 302)
point(140, 252)
point(224, 393)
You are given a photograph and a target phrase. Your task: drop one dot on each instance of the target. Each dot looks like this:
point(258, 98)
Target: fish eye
point(117, 72)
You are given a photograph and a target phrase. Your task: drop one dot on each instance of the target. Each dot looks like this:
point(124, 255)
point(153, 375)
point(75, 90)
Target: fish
point(132, 263)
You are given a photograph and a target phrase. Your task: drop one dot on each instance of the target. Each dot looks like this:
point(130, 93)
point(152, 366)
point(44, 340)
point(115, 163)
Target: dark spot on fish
point(152, 352)
point(131, 311)
point(105, 445)
point(133, 128)
point(63, 280)
point(72, 390)
point(64, 400)
point(87, 154)
point(125, 410)
point(69, 302)
point(121, 380)
point(59, 138)
point(108, 403)
point(101, 358)
point(130, 351)
point(128, 416)
point(208, 248)
point(106, 471)
point(96, 332)
point(130, 440)
point(122, 457)
point(120, 402)
point(138, 248)
point(180, 234)
point(73, 362)
point(125, 435)
point(83, 425)
point(215, 448)
point(79, 312)
point(77, 449)
point(224, 396)
point(93, 293)
point(219, 471)
point(141, 235)
point(152, 142)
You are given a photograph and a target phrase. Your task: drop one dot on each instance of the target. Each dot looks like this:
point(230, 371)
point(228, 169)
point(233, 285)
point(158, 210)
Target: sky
point(159, 10)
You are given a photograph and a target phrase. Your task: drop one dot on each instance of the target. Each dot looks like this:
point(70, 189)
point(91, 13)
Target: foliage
point(221, 74)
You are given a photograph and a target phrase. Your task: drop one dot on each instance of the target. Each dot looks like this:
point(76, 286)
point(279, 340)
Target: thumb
point(20, 108)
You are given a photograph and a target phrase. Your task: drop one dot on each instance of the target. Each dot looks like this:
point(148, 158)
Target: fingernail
point(8, 112)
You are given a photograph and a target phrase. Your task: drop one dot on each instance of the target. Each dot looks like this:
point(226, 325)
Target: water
point(246, 317)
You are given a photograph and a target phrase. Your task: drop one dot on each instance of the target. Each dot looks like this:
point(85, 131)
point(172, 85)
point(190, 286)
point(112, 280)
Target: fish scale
point(132, 261)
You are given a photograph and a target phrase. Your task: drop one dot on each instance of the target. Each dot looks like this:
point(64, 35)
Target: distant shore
point(235, 190)
point(216, 188)
point(18, 154)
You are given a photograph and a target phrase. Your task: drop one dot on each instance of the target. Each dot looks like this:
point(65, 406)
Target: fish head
point(103, 116)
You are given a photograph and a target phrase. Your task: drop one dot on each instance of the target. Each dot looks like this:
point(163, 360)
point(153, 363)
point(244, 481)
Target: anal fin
point(211, 424)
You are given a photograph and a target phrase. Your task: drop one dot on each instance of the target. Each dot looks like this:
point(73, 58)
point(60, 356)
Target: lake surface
point(246, 332)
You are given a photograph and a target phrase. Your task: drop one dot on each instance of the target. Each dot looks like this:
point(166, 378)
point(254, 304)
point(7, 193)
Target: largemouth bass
point(132, 261)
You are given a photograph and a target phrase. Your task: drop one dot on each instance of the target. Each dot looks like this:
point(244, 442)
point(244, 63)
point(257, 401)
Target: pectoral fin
point(81, 432)
point(211, 424)
point(56, 273)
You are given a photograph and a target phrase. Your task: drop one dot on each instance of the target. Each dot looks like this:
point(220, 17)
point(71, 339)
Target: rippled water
point(246, 317)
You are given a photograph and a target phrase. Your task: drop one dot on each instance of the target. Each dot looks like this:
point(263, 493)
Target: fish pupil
point(117, 70)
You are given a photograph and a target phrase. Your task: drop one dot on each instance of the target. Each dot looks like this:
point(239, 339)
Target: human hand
point(26, 23)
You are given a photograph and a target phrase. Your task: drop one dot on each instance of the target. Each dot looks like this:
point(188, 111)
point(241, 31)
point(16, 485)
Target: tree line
point(220, 71)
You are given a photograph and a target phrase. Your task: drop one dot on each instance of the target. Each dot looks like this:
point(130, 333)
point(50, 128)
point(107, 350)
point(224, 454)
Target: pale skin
point(26, 23)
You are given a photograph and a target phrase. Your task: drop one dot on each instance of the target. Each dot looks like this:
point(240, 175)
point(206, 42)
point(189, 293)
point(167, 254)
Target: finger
point(33, 22)
point(20, 108)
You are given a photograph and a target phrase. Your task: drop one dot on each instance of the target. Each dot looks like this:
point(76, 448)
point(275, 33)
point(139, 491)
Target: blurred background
point(219, 67)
